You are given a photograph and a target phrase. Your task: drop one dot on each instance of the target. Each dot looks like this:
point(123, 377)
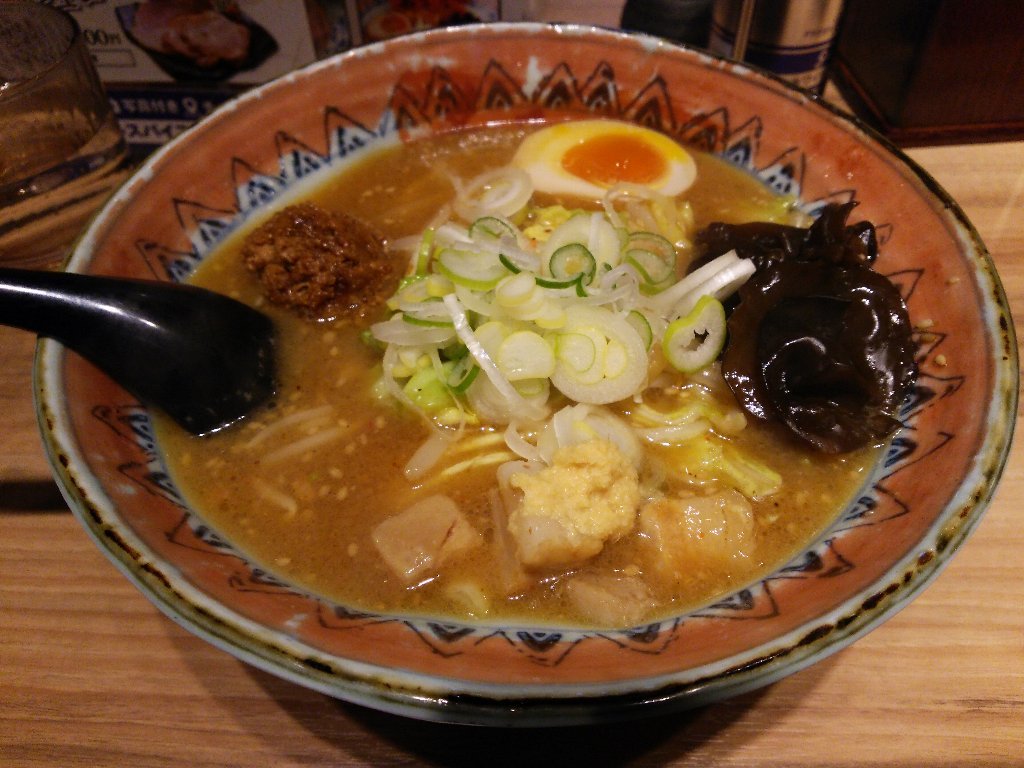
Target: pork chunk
point(698, 532)
point(416, 542)
point(610, 600)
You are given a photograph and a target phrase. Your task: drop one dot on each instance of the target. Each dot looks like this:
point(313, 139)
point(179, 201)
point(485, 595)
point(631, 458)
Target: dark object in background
point(792, 39)
point(934, 72)
point(684, 21)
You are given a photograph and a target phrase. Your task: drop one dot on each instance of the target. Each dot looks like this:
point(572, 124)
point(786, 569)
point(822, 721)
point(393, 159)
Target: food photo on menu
point(196, 39)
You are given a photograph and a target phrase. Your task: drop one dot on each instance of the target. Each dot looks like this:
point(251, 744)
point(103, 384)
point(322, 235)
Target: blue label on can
point(801, 64)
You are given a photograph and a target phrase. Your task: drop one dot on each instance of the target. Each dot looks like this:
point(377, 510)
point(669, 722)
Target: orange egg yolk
point(605, 160)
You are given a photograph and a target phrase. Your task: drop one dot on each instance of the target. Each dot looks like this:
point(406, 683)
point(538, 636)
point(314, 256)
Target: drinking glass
point(61, 151)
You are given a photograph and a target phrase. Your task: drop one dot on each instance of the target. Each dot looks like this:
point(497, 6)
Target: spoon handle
point(202, 357)
point(73, 309)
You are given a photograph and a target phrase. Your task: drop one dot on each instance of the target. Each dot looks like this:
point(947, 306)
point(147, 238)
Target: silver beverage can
point(791, 38)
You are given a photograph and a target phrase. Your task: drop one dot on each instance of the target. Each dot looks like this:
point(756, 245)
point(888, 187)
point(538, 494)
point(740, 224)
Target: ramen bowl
point(924, 497)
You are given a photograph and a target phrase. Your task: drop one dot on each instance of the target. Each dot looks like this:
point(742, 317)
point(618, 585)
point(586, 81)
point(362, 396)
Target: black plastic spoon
point(203, 358)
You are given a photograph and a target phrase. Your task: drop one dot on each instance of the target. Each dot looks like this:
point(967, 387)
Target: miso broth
point(302, 486)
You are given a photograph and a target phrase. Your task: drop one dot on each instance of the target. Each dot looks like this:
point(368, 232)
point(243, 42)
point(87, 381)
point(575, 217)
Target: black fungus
point(829, 239)
point(818, 341)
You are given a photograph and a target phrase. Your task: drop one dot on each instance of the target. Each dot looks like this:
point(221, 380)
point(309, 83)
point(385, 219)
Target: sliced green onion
point(462, 373)
point(600, 357)
point(480, 303)
point(693, 284)
point(638, 320)
point(412, 290)
point(577, 351)
point(490, 334)
point(571, 262)
point(396, 331)
point(427, 321)
point(616, 359)
point(412, 359)
point(424, 251)
point(503, 191)
point(591, 230)
point(454, 351)
point(473, 270)
point(544, 282)
point(653, 256)
point(516, 290)
point(525, 355)
point(508, 264)
point(721, 285)
point(515, 402)
point(695, 341)
point(532, 388)
point(491, 227)
point(550, 316)
point(438, 286)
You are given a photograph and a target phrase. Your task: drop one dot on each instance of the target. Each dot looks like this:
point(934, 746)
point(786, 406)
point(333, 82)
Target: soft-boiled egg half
point(585, 158)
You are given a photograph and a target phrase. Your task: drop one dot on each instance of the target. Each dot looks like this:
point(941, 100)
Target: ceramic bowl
point(925, 497)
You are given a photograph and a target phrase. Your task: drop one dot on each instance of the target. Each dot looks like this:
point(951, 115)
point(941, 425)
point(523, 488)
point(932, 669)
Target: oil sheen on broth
point(303, 498)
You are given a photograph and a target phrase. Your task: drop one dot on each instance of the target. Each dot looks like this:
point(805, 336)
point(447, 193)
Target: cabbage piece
point(708, 458)
point(427, 391)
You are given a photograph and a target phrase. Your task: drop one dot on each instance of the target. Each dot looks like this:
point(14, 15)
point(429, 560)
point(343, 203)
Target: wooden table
point(91, 674)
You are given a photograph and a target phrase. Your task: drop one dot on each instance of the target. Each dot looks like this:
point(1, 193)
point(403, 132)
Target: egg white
point(540, 155)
